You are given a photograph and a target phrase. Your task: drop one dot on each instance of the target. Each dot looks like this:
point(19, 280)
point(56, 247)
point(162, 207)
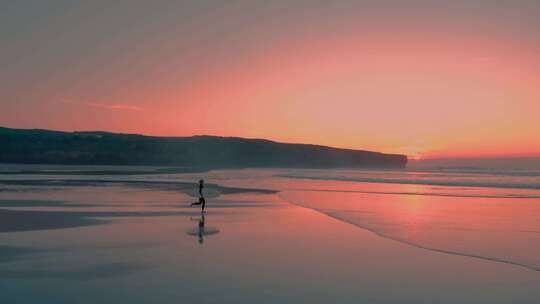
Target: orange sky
point(425, 82)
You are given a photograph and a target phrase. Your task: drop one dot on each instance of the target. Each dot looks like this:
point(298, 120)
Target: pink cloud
point(114, 106)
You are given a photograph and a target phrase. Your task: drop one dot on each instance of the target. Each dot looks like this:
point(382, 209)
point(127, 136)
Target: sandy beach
point(109, 242)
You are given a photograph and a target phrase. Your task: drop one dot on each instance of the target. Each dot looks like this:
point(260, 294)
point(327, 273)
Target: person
point(201, 202)
point(201, 186)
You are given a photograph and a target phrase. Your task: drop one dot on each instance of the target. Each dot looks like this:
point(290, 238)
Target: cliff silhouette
point(34, 146)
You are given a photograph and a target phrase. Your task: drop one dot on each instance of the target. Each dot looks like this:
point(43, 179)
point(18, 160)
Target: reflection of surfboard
point(205, 231)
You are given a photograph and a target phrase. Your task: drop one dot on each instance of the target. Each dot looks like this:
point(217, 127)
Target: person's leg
point(203, 203)
point(199, 202)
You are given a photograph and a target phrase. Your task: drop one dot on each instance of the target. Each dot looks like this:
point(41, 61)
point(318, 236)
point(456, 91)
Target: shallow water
point(505, 230)
point(430, 209)
point(314, 240)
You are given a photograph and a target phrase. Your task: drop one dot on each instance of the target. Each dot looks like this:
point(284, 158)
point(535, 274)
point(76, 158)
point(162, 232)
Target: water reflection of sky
point(147, 245)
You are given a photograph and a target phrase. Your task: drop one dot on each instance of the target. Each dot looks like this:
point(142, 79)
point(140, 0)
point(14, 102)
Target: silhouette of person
point(201, 186)
point(201, 201)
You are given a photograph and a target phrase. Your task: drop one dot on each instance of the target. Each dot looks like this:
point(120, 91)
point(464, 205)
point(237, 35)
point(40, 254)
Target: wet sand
point(147, 249)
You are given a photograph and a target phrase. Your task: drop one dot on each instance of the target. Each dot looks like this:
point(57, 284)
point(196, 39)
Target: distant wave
point(427, 193)
point(453, 183)
point(479, 171)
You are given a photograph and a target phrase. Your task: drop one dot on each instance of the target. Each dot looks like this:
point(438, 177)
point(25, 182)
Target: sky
point(423, 78)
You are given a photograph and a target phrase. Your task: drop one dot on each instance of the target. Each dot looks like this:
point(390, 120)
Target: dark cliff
point(102, 148)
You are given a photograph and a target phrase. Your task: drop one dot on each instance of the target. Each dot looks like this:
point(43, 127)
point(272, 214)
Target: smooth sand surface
point(265, 251)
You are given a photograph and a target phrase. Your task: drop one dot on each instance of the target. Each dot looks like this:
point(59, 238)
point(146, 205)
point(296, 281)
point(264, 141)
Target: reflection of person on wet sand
point(201, 229)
